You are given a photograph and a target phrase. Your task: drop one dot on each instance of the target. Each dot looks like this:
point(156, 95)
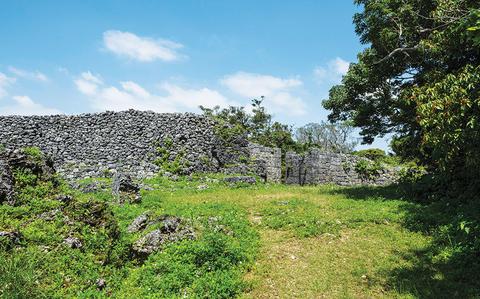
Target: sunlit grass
point(275, 241)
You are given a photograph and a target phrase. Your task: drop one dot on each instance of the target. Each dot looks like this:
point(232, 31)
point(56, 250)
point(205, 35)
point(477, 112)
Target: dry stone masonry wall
point(270, 160)
point(96, 145)
point(93, 144)
point(317, 167)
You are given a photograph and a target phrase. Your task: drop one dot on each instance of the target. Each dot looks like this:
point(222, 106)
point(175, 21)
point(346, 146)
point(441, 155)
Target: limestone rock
point(138, 223)
point(73, 242)
point(9, 238)
point(124, 189)
point(202, 187)
point(41, 166)
point(171, 230)
point(241, 179)
point(7, 182)
point(100, 283)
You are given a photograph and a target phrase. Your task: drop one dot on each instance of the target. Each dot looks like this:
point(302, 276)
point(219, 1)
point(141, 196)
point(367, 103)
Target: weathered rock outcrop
point(240, 179)
point(171, 229)
point(36, 163)
point(124, 189)
point(6, 181)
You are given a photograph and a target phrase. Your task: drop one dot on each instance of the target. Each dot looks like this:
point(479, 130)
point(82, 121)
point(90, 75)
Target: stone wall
point(270, 159)
point(317, 167)
point(93, 144)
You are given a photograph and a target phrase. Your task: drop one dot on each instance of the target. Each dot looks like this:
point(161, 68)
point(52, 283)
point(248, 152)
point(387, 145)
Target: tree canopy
point(327, 136)
point(259, 127)
point(418, 78)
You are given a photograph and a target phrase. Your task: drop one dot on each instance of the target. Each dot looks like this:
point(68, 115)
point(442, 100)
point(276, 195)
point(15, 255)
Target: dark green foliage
point(235, 122)
point(378, 155)
point(374, 154)
point(418, 78)
point(449, 114)
point(368, 170)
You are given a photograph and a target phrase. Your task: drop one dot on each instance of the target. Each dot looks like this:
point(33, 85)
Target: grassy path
point(354, 260)
point(264, 241)
point(320, 242)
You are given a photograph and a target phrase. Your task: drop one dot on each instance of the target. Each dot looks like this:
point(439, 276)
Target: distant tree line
point(259, 127)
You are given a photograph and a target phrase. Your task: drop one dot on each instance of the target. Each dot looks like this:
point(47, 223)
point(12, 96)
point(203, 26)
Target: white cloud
point(332, 72)
point(278, 92)
point(130, 95)
point(192, 98)
point(30, 75)
point(63, 70)
point(135, 89)
point(88, 83)
point(24, 105)
point(143, 49)
point(5, 82)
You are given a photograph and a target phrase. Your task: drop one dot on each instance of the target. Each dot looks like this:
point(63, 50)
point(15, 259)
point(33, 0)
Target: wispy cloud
point(332, 72)
point(5, 82)
point(131, 95)
point(87, 83)
point(24, 105)
point(30, 75)
point(278, 92)
point(145, 49)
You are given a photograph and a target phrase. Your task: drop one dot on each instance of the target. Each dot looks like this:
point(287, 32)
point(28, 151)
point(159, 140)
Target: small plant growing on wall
point(33, 153)
point(164, 159)
point(347, 166)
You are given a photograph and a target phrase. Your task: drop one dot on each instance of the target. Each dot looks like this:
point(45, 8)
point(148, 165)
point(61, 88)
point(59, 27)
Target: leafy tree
point(448, 111)
point(327, 136)
point(417, 78)
point(374, 154)
point(257, 126)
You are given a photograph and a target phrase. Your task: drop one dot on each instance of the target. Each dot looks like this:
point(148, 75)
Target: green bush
point(34, 153)
point(378, 155)
point(412, 173)
point(368, 170)
point(448, 112)
point(374, 154)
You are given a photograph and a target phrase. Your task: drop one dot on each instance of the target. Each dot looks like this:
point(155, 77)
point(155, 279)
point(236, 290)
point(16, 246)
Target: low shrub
point(368, 170)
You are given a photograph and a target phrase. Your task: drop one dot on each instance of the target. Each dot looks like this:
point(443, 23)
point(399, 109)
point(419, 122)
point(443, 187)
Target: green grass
point(261, 241)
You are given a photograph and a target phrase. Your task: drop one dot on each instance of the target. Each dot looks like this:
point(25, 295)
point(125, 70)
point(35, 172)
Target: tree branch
point(397, 50)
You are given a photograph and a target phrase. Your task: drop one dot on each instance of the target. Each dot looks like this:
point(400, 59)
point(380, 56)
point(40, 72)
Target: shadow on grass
point(391, 192)
point(450, 266)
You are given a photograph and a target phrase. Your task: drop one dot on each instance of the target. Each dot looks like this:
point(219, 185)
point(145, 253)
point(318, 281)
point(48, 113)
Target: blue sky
point(168, 56)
